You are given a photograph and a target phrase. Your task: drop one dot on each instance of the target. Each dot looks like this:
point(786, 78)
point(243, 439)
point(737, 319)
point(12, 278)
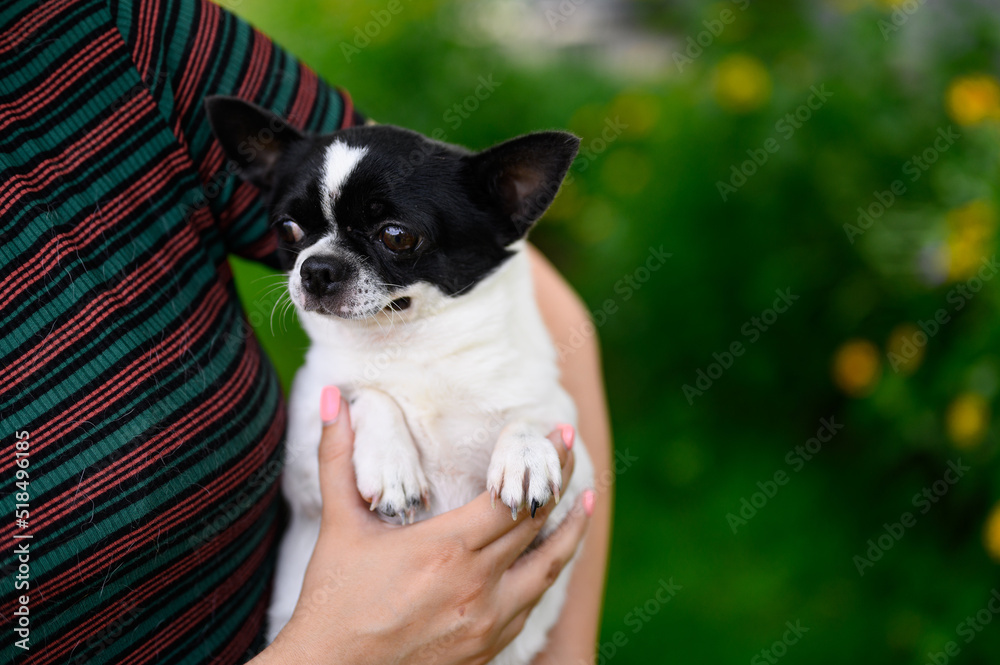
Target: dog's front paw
point(524, 469)
point(390, 478)
point(386, 460)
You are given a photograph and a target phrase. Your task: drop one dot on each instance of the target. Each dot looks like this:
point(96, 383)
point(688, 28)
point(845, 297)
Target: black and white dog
point(407, 270)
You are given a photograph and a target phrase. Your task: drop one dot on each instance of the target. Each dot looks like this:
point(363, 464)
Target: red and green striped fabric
point(155, 423)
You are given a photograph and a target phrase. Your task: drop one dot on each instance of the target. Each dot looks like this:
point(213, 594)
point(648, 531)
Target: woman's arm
point(574, 638)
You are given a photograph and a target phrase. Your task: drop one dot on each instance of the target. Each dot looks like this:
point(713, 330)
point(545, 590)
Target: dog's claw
point(375, 501)
point(493, 499)
point(524, 470)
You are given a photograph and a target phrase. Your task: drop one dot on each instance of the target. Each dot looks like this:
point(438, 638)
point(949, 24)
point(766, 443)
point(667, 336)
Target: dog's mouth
point(399, 304)
point(344, 312)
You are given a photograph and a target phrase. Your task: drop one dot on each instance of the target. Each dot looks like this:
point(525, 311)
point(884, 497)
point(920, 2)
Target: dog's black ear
point(252, 137)
point(522, 176)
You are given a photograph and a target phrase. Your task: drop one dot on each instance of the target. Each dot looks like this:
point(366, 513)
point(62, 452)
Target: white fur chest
point(458, 376)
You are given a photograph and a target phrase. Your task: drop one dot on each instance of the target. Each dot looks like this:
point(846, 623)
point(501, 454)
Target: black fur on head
point(388, 204)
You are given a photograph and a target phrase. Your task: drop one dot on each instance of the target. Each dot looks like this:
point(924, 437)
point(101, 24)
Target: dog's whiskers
point(289, 307)
point(279, 288)
point(271, 318)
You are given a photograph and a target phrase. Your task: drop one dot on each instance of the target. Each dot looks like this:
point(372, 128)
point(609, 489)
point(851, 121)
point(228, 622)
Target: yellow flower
point(972, 99)
point(991, 533)
point(640, 110)
point(857, 367)
point(967, 419)
point(906, 348)
point(971, 230)
point(741, 83)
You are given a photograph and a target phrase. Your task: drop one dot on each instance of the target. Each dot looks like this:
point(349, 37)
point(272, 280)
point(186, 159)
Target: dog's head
point(378, 218)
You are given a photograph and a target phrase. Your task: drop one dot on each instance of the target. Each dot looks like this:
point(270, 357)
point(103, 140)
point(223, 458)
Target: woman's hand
point(450, 589)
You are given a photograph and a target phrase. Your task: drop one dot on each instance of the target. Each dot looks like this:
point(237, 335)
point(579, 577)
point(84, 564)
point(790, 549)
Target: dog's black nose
point(321, 275)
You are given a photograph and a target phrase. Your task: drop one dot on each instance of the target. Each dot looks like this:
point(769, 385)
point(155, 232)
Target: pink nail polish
point(568, 435)
point(589, 499)
point(329, 404)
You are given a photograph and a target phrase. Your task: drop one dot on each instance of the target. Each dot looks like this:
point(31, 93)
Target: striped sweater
point(141, 427)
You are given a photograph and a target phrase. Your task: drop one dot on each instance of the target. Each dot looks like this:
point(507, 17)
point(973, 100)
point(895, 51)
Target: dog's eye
point(290, 232)
point(398, 239)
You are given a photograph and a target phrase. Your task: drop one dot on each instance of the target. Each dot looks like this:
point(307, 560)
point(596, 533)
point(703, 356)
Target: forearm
point(574, 637)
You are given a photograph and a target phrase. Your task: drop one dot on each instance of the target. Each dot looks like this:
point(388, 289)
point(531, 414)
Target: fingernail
point(568, 435)
point(589, 499)
point(329, 404)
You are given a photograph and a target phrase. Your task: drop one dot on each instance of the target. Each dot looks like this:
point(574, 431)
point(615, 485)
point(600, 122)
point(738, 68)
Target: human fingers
point(479, 523)
point(337, 483)
point(524, 582)
point(512, 544)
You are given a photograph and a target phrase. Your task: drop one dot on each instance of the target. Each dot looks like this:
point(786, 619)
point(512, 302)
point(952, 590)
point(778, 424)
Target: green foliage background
point(657, 185)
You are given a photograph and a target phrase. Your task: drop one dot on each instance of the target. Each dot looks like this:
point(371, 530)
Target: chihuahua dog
point(406, 266)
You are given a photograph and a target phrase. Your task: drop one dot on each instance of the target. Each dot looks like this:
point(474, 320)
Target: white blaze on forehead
point(338, 164)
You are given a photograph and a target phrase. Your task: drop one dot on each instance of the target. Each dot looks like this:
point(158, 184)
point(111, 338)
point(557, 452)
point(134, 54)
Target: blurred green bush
point(844, 154)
